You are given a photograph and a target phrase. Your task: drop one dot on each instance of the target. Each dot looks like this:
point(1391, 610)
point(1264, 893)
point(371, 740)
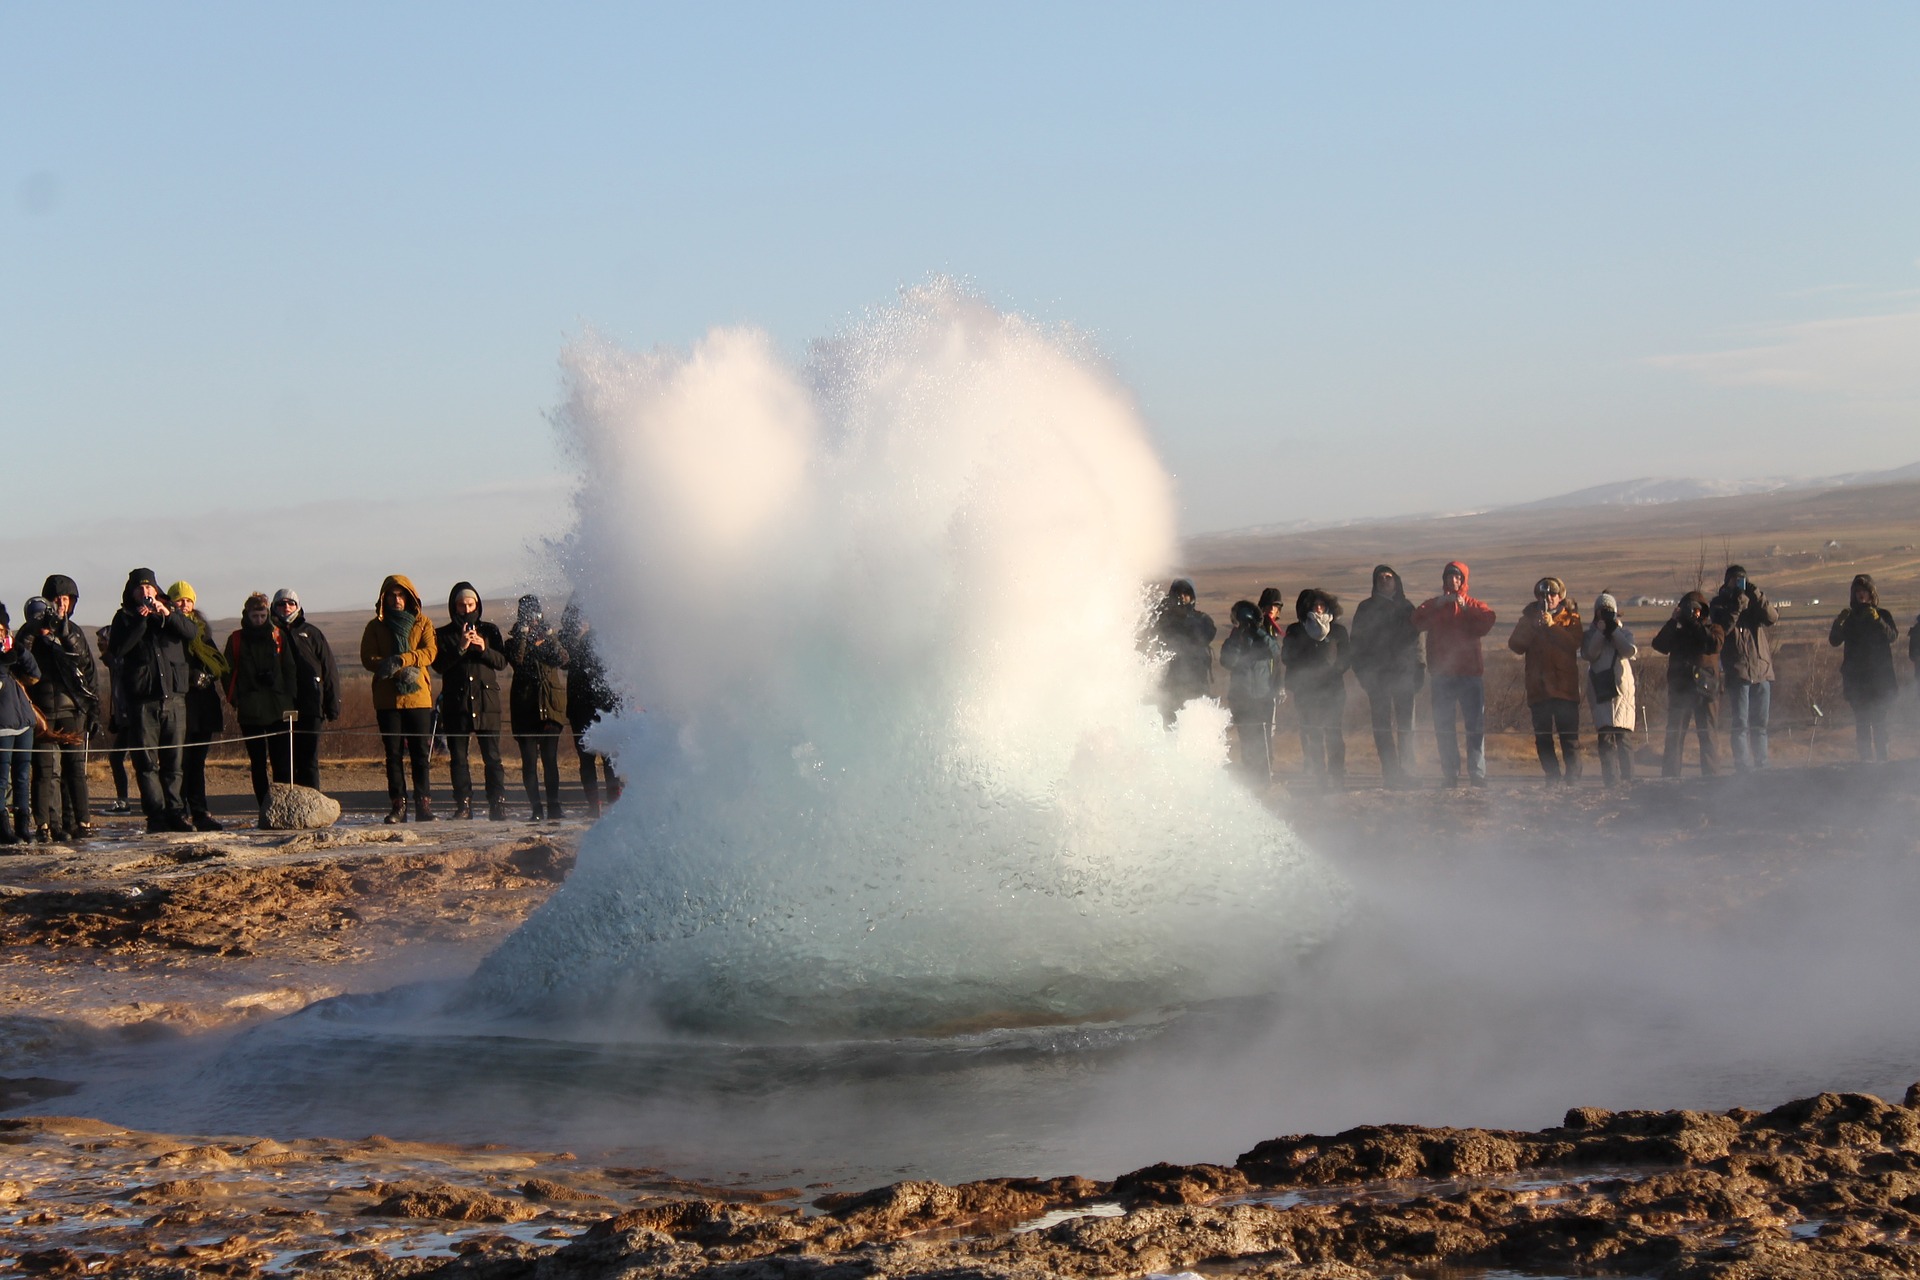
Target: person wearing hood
point(537, 703)
point(1386, 659)
point(1692, 641)
point(472, 654)
point(399, 646)
point(262, 684)
point(1251, 655)
point(68, 698)
point(1455, 624)
point(1549, 636)
point(206, 717)
point(1610, 651)
point(17, 671)
point(1316, 656)
point(149, 640)
point(1746, 661)
point(1184, 635)
point(1864, 633)
point(317, 684)
point(589, 696)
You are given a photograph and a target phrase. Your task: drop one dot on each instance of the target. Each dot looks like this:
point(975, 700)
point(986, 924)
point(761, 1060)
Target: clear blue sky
point(1354, 259)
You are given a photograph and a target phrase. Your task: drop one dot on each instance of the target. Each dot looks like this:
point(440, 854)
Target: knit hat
point(1268, 598)
point(255, 597)
point(287, 593)
point(182, 590)
point(529, 610)
point(1605, 601)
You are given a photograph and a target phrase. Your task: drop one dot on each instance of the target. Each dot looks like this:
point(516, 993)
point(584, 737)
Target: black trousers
point(541, 751)
point(160, 729)
point(306, 749)
point(65, 765)
point(405, 735)
point(1557, 717)
point(1390, 707)
point(266, 757)
point(193, 771)
point(492, 769)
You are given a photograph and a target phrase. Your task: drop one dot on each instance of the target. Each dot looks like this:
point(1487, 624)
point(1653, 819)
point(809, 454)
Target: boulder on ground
point(296, 808)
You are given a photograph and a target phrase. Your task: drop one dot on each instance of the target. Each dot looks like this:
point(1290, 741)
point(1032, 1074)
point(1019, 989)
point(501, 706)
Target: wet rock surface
point(1825, 1186)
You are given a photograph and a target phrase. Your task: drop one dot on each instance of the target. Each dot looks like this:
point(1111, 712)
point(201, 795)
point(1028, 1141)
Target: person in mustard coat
point(399, 646)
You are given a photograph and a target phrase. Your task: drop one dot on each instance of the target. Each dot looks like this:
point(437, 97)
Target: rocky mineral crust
point(1827, 1186)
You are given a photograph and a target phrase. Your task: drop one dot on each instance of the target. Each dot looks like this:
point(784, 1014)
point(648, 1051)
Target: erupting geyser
point(892, 762)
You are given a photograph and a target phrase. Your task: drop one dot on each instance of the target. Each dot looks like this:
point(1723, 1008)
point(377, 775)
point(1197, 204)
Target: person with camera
point(1747, 663)
point(206, 717)
point(1251, 655)
point(471, 657)
point(1864, 633)
point(1455, 624)
point(1386, 659)
point(1184, 634)
point(149, 640)
point(68, 699)
point(261, 684)
point(1549, 636)
point(17, 671)
point(398, 646)
point(317, 684)
point(1315, 654)
point(538, 704)
point(1610, 651)
point(1692, 641)
point(589, 696)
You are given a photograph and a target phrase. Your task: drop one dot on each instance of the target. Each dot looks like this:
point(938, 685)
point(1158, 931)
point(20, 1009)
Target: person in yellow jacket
point(206, 717)
point(398, 646)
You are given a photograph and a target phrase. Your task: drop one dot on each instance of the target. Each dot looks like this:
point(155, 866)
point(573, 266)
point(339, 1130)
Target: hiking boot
point(177, 821)
point(423, 810)
point(536, 815)
point(204, 821)
point(497, 811)
point(6, 828)
point(463, 811)
point(44, 835)
point(555, 814)
point(120, 806)
point(398, 813)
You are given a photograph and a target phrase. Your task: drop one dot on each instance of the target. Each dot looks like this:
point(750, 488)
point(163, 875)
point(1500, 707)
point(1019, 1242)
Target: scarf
point(1318, 625)
point(205, 653)
point(400, 623)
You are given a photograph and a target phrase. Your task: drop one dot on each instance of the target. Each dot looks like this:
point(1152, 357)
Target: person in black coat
point(537, 704)
point(1185, 636)
point(1692, 641)
point(1316, 654)
point(149, 640)
point(17, 672)
point(589, 697)
point(1386, 659)
point(1864, 633)
point(1251, 656)
point(470, 658)
point(317, 691)
point(68, 697)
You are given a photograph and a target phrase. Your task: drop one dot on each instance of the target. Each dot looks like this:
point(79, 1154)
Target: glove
point(390, 668)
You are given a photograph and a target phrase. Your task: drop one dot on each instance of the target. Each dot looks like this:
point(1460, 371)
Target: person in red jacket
point(1455, 623)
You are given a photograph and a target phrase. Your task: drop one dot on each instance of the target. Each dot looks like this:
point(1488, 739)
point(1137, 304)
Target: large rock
point(296, 808)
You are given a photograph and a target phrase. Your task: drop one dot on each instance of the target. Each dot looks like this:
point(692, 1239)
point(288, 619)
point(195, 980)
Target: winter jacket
point(1610, 656)
point(1748, 617)
point(588, 692)
point(1864, 634)
point(316, 674)
point(152, 652)
point(1551, 646)
point(68, 676)
point(17, 671)
point(469, 678)
point(1251, 655)
point(263, 681)
point(1386, 645)
point(376, 646)
point(538, 699)
point(1186, 635)
point(1316, 669)
point(1692, 645)
point(1454, 630)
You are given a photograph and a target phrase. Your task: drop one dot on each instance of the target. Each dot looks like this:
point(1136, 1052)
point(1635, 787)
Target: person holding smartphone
point(471, 657)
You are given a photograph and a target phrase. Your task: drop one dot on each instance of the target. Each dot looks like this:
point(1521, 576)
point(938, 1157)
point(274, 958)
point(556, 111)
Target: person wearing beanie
point(68, 698)
point(1609, 651)
point(1549, 636)
point(17, 671)
point(317, 684)
point(537, 704)
point(1747, 663)
point(1386, 659)
point(1315, 655)
point(398, 646)
point(261, 684)
point(589, 696)
point(1864, 633)
point(1251, 654)
point(1182, 635)
point(1692, 641)
point(206, 717)
point(1455, 624)
point(472, 654)
point(149, 640)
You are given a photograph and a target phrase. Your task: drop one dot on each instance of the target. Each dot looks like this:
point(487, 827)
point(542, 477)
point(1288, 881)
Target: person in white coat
point(1609, 651)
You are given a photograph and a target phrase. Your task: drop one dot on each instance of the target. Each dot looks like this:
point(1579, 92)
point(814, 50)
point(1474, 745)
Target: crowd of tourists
point(162, 684)
point(1719, 653)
